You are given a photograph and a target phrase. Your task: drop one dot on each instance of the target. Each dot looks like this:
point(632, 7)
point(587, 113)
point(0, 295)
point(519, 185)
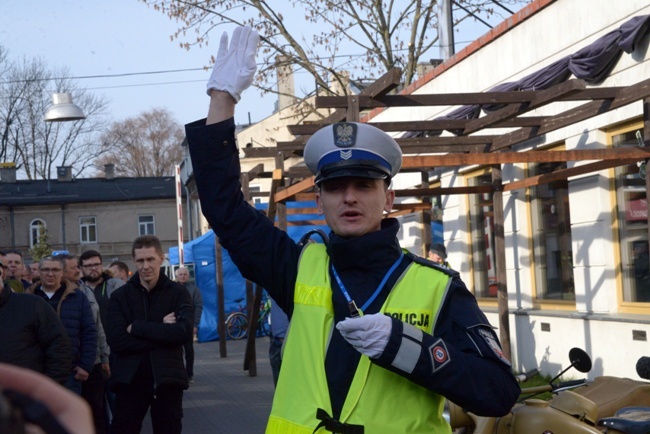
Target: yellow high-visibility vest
point(380, 400)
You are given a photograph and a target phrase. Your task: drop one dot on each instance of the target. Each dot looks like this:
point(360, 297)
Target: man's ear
point(319, 204)
point(390, 198)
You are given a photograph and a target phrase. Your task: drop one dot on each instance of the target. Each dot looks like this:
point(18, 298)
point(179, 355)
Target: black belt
point(335, 426)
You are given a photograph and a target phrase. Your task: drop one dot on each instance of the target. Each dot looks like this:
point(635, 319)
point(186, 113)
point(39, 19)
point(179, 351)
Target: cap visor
point(351, 172)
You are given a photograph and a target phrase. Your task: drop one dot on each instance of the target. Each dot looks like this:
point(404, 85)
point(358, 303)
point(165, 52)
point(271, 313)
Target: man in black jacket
point(149, 320)
point(32, 335)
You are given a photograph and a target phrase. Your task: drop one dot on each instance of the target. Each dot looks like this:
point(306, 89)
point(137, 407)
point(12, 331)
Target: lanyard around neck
point(354, 310)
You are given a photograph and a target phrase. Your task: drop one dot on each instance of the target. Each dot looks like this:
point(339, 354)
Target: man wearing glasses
point(102, 284)
point(75, 313)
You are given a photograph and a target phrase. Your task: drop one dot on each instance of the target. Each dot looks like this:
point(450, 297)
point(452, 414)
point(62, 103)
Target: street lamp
point(63, 109)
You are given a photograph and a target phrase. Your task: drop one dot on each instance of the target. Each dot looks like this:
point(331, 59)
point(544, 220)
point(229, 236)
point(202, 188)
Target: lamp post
point(63, 109)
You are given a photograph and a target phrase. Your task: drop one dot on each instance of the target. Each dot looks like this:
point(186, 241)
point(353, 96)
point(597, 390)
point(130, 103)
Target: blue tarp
point(201, 252)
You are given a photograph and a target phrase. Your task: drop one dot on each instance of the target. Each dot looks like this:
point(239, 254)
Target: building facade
point(103, 214)
point(577, 248)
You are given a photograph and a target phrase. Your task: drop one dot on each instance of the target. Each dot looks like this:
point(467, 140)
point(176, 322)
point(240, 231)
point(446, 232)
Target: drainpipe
point(190, 219)
point(13, 227)
point(63, 226)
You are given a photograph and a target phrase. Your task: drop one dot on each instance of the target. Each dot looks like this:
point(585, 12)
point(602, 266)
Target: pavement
point(224, 399)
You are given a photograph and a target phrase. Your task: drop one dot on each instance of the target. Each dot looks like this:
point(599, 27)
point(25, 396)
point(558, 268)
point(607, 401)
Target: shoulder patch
point(490, 339)
point(439, 355)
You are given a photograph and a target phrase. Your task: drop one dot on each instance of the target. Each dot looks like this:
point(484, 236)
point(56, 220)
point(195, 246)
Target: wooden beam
point(419, 206)
point(453, 99)
point(276, 183)
point(304, 197)
point(524, 157)
point(380, 87)
point(564, 174)
point(306, 210)
point(442, 191)
point(289, 192)
point(264, 153)
point(255, 172)
point(352, 114)
point(446, 142)
point(305, 130)
point(541, 98)
point(623, 97)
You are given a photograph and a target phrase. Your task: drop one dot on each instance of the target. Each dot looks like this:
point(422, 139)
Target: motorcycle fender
point(535, 416)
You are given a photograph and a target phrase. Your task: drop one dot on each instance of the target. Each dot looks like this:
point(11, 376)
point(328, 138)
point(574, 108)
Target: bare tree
point(145, 145)
point(364, 37)
point(36, 146)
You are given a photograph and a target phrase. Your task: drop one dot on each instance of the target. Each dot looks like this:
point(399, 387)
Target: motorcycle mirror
point(580, 359)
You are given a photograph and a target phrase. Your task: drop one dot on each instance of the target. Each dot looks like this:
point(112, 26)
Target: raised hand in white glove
point(367, 334)
point(235, 66)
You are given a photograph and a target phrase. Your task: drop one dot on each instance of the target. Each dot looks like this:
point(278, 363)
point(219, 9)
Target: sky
point(114, 39)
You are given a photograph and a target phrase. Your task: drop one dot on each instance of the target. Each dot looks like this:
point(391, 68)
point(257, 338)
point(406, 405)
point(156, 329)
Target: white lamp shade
point(63, 109)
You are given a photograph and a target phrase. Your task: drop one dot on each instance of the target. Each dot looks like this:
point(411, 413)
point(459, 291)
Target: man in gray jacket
point(101, 283)
point(183, 277)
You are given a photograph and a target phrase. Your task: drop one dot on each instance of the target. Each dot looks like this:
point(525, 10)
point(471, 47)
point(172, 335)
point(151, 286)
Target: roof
point(49, 192)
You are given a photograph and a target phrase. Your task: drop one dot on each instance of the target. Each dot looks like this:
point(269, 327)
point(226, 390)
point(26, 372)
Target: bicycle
point(237, 321)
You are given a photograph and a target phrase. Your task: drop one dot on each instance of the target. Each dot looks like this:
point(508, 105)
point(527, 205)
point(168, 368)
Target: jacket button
point(225, 142)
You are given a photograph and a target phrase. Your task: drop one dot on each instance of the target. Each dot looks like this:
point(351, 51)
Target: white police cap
point(352, 149)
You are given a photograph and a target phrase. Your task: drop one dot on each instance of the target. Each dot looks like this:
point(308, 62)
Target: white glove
point(235, 66)
point(367, 334)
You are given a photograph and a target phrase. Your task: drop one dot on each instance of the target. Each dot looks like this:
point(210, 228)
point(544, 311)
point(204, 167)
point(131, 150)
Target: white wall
point(595, 324)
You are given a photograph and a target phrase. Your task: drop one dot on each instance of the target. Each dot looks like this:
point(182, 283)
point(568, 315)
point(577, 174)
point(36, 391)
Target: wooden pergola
point(472, 145)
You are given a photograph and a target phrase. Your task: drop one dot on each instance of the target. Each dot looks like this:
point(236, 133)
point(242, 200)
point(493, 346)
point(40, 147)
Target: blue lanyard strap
point(354, 310)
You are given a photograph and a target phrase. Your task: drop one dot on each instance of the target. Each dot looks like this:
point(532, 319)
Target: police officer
point(378, 337)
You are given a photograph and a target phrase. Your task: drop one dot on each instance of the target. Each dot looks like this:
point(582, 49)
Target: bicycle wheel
point(236, 325)
point(264, 323)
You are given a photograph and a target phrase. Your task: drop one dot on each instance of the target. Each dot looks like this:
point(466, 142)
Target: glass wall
point(551, 224)
point(482, 234)
point(633, 223)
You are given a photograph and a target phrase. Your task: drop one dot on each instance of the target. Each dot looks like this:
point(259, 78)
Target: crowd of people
point(113, 339)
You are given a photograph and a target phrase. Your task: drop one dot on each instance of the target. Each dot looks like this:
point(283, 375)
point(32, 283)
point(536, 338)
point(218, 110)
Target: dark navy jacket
point(475, 377)
point(76, 315)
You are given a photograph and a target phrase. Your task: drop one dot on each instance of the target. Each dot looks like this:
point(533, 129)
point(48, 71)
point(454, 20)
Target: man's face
point(33, 268)
point(117, 272)
point(436, 258)
point(15, 264)
point(72, 271)
point(51, 274)
point(148, 262)
point(354, 206)
point(182, 275)
point(92, 269)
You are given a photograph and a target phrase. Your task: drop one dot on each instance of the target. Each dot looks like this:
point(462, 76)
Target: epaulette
point(428, 263)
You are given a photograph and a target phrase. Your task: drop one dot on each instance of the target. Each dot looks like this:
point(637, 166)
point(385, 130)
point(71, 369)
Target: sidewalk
point(224, 399)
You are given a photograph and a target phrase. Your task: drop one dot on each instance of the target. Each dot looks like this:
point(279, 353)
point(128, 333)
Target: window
point(481, 222)
point(551, 224)
point(633, 223)
point(88, 229)
point(146, 225)
point(255, 189)
point(36, 228)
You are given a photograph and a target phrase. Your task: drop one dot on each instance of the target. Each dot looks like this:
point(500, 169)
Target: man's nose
point(349, 195)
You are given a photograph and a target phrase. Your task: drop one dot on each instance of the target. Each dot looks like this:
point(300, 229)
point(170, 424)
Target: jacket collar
point(374, 250)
